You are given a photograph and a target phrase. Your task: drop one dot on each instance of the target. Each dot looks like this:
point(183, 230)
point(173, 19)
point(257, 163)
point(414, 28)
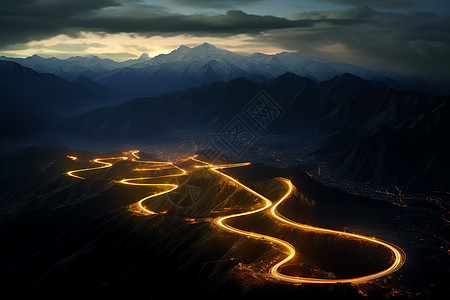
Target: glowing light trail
point(100, 161)
point(399, 255)
point(131, 181)
point(140, 204)
point(158, 166)
point(274, 271)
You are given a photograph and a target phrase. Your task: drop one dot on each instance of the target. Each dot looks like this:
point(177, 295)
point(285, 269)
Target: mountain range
point(366, 129)
point(358, 124)
point(191, 67)
point(31, 101)
point(91, 67)
point(73, 237)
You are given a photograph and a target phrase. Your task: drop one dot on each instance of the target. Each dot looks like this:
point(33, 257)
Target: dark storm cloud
point(215, 3)
point(33, 20)
point(414, 41)
point(362, 13)
point(231, 23)
point(25, 20)
point(417, 42)
point(52, 8)
point(383, 4)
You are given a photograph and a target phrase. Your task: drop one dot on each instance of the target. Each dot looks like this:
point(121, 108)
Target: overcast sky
point(403, 35)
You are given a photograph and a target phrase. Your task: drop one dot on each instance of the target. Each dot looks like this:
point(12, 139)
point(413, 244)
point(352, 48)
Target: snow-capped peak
point(206, 46)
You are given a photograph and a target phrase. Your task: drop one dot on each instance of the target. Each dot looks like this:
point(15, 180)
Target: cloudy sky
point(403, 35)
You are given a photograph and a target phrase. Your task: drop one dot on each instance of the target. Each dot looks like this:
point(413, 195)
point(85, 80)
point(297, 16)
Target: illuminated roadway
point(100, 161)
point(398, 254)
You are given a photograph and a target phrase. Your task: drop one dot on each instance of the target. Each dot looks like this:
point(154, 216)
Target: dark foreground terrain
point(63, 237)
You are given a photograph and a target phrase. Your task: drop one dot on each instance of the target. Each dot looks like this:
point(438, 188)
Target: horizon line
point(103, 57)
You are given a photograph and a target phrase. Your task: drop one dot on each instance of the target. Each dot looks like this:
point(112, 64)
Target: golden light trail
point(157, 166)
point(170, 187)
point(399, 255)
point(131, 181)
point(98, 161)
point(72, 157)
point(134, 153)
point(274, 271)
point(144, 210)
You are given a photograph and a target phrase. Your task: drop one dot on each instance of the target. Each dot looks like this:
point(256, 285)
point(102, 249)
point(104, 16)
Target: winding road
point(274, 272)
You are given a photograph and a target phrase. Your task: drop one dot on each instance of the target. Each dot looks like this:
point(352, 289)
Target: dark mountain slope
point(71, 68)
point(73, 236)
point(31, 101)
point(415, 158)
point(166, 77)
point(334, 114)
point(209, 107)
point(23, 87)
point(346, 107)
point(204, 107)
point(189, 67)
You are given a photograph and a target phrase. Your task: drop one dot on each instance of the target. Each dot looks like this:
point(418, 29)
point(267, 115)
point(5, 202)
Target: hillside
point(339, 115)
point(155, 117)
point(187, 67)
point(32, 101)
point(415, 158)
point(86, 240)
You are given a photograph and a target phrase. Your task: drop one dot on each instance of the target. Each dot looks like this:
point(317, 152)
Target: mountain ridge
point(32, 101)
point(190, 67)
point(338, 115)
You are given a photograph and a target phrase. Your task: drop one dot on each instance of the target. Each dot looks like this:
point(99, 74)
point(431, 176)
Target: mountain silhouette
point(336, 115)
point(31, 100)
point(187, 67)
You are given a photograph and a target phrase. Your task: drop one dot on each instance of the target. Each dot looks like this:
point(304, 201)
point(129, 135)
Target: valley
point(256, 175)
point(245, 232)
